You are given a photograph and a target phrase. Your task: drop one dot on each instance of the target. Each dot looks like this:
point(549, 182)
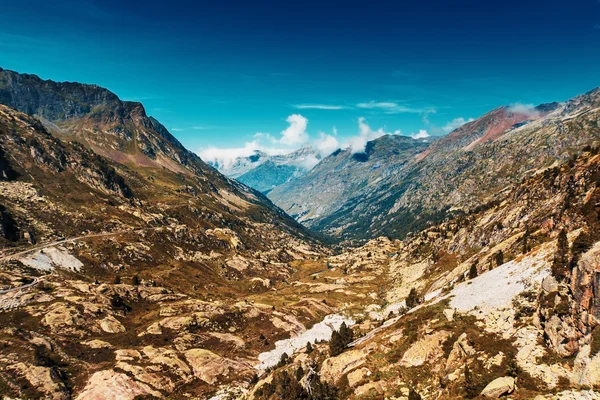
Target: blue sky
point(217, 73)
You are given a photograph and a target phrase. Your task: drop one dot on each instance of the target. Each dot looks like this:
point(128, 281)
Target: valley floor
point(63, 336)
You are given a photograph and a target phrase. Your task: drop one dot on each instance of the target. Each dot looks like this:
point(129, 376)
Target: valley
point(464, 267)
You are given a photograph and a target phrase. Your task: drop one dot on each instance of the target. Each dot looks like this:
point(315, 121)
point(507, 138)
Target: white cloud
point(307, 162)
point(295, 134)
point(374, 104)
point(525, 109)
point(357, 143)
point(455, 123)
point(319, 107)
point(176, 129)
point(225, 157)
point(326, 144)
point(422, 134)
point(390, 107)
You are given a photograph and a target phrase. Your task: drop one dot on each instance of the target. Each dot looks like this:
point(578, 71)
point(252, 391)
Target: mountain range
point(130, 268)
point(400, 186)
point(264, 172)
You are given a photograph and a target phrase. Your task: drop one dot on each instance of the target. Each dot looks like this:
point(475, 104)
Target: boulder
point(427, 349)
point(461, 349)
point(449, 314)
point(41, 379)
point(112, 385)
point(207, 365)
point(357, 376)
point(334, 368)
point(498, 387)
point(549, 284)
point(111, 325)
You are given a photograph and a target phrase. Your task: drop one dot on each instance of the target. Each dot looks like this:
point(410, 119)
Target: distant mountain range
point(400, 185)
point(264, 172)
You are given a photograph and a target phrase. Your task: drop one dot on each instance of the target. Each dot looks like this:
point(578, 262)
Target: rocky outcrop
point(499, 387)
point(335, 367)
point(112, 385)
point(425, 350)
point(208, 366)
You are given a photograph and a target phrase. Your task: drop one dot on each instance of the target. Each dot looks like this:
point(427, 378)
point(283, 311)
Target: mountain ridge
point(439, 179)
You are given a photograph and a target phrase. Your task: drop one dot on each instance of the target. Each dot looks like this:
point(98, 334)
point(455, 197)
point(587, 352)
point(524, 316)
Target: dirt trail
point(58, 242)
point(35, 282)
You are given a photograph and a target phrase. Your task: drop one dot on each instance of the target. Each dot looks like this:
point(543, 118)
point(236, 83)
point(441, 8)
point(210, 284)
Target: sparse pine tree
point(299, 373)
point(346, 334)
point(471, 389)
point(413, 298)
point(117, 280)
point(473, 270)
point(309, 348)
point(135, 281)
point(283, 360)
point(499, 258)
point(413, 394)
point(336, 345)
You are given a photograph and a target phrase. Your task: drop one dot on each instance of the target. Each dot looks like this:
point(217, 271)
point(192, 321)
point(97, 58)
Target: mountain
point(96, 194)
point(128, 274)
point(240, 165)
point(264, 172)
point(454, 174)
point(343, 175)
point(501, 301)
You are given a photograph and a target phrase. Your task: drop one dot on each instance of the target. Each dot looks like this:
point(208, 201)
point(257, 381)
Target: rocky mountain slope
point(264, 172)
point(456, 173)
point(343, 176)
point(499, 301)
point(122, 279)
point(95, 194)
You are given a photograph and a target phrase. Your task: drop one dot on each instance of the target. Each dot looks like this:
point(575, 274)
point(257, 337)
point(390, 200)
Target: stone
point(111, 325)
point(549, 284)
point(368, 387)
point(97, 344)
point(127, 355)
point(334, 368)
point(358, 375)
point(499, 387)
point(449, 314)
point(112, 385)
point(206, 364)
point(427, 349)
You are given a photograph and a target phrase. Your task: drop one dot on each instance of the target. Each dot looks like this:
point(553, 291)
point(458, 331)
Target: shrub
point(413, 298)
point(595, 342)
point(135, 281)
point(473, 270)
point(499, 257)
point(309, 348)
point(413, 395)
